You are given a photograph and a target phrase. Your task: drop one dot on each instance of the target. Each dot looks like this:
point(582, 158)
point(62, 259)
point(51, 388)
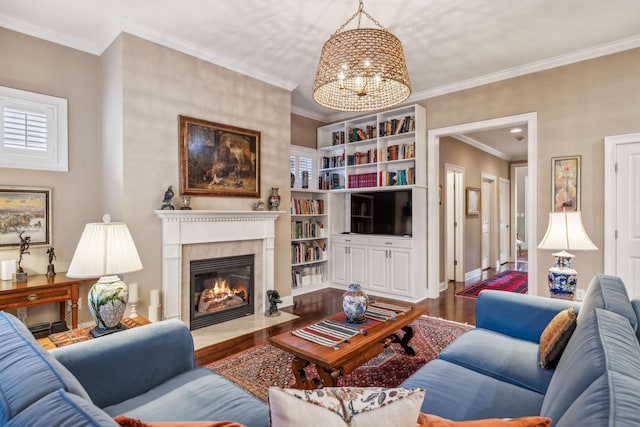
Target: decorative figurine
point(20, 275)
point(167, 202)
point(274, 299)
point(51, 271)
point(186, 203)
point(293, 180)
point(258, 205)
point(274, 199)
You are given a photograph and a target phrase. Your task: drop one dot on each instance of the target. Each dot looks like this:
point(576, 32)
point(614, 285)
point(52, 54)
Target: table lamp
point(105, 250)
point(565, 233)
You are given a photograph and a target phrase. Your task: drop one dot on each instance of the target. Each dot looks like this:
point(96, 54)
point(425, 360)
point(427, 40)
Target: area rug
point(264, 365)
point(509, 281)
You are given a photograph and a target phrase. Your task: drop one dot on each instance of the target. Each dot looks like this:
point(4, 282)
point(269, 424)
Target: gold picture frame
point(473, 201)
point(565, 183)
point(218, 159)
point(25, 210)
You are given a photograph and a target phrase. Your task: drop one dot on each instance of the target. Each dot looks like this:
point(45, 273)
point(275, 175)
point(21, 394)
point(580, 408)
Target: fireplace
point(222, 289)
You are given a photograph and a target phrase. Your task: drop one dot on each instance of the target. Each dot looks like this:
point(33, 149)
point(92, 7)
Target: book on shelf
point(397, 126)
point(337, 138)
point(307, 206)
point(310, 275)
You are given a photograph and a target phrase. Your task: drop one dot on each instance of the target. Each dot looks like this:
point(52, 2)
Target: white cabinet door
point(400, 271)
point(340, 266)
point(358, 264)
point(378, 269)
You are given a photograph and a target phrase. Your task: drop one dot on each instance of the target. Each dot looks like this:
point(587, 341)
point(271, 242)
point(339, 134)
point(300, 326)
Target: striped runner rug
point(508, 281)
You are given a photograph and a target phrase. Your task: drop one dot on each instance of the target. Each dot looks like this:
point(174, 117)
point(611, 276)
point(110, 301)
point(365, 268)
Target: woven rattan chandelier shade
point(361, 69)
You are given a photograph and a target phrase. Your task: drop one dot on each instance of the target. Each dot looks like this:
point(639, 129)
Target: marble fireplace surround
point(201, 234)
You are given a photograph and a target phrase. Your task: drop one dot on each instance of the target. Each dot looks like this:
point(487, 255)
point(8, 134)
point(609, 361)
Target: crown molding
point(480, 146)
point(310, 114)
point(534, 67)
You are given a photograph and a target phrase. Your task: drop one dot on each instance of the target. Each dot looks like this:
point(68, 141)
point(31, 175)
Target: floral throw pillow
point(340, 407)
point(555, 337)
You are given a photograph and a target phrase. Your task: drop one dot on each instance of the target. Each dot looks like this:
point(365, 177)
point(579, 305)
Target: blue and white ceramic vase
point(354, 303)
point(108, 301)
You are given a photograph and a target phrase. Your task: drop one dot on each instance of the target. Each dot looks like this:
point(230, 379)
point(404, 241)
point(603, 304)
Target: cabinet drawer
point(391, 242)
point(29, 297)
point(349, 239)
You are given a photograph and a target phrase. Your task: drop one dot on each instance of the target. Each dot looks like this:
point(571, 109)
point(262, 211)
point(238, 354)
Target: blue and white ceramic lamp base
point(562, 278)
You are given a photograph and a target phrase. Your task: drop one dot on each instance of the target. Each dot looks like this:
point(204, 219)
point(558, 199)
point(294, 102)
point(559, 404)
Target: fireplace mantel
point(185, 227)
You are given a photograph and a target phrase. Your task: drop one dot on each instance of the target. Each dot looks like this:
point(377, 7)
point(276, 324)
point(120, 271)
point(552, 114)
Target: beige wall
point(47, 68)
point(303, 131)
point(123, 142)
point(475, 162)
point(577, 106)
point(158, 85)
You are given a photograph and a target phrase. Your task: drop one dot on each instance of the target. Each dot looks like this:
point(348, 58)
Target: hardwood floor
point(314, 306)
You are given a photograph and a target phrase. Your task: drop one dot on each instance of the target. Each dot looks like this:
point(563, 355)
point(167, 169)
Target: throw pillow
point(428, 420)
point(555, 337)
point(342, 407)
point(132, 422)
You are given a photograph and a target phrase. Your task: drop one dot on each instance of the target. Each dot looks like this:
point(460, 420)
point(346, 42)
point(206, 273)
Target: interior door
point(505, 202)
point(486, 224)
point(627, 245)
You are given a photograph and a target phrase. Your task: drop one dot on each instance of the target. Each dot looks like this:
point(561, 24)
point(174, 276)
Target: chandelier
point(361, 69)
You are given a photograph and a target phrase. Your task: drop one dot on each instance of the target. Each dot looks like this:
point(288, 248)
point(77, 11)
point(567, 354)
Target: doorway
point(433, 176)
point(454, 222)
point(621, 198)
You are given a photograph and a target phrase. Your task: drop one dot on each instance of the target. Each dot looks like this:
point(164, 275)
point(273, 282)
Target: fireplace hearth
point(222, 289)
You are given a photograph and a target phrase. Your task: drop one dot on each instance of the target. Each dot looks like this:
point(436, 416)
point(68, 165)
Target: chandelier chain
point(359, 13)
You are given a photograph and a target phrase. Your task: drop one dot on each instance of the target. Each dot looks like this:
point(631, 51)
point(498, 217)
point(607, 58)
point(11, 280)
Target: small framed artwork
point(473, 201)
point(26, 212)
point(565, 181)
point(218, 160)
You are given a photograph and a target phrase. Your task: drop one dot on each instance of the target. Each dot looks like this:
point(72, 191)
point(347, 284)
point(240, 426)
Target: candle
point(153, 313)
point(133, 292)
point(7, 268)
point(155, 298)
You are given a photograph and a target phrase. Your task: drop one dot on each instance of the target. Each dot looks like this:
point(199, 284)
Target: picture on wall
point(218, 160)
point(566, 183)
point(473, 201)
point(25, 210)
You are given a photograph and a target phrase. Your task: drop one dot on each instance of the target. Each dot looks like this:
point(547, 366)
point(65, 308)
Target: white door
point(378, 269)
point(358, 263)
point(486, 224)
point(504, 200)
point(400, 270)
point(627, 245)
point(454, 221)
point(339, 263)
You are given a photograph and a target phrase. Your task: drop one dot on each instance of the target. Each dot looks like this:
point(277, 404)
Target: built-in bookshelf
point(309, 240)
point(381, 150)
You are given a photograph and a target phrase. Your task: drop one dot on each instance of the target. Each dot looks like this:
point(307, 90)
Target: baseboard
point(286, 301)
point(473, 274)
point(443, 286)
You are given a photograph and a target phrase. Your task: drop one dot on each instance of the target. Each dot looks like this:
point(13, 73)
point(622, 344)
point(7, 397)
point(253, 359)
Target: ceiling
point(449, 44)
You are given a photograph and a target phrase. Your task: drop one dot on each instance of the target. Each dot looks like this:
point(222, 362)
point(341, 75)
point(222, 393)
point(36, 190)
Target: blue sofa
point(145, 373)
point(492, 371)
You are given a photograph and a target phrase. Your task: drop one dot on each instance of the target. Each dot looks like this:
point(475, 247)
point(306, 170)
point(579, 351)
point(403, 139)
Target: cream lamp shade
point(565, 232)
point(105, 250)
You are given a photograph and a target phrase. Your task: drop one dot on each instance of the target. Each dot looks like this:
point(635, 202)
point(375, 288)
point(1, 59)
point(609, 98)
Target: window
point(302, 164)
point(33, 128)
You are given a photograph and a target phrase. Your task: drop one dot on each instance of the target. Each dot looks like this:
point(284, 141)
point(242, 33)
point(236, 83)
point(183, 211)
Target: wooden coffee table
point(334, 363)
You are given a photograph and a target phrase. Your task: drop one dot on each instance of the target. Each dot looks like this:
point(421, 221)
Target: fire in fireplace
point(221, 289)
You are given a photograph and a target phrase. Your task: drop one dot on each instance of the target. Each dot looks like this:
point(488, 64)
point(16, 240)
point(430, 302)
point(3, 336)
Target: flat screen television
point(381, 212)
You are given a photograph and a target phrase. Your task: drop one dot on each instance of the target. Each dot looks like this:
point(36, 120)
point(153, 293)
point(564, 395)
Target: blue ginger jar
point(355, 303)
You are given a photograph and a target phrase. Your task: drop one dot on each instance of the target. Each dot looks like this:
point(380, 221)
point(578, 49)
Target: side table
point(40, 289)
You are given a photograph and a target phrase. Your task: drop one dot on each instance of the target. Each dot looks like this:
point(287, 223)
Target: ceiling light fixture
point(516, 130)
point(361, 69)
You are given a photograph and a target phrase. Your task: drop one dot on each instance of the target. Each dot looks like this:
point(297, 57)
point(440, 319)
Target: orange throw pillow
point(428, 420)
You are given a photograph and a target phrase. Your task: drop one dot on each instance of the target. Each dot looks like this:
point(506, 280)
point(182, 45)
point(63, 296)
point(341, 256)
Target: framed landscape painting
point(25, 210)
point(565, 183)
point(218, 160)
